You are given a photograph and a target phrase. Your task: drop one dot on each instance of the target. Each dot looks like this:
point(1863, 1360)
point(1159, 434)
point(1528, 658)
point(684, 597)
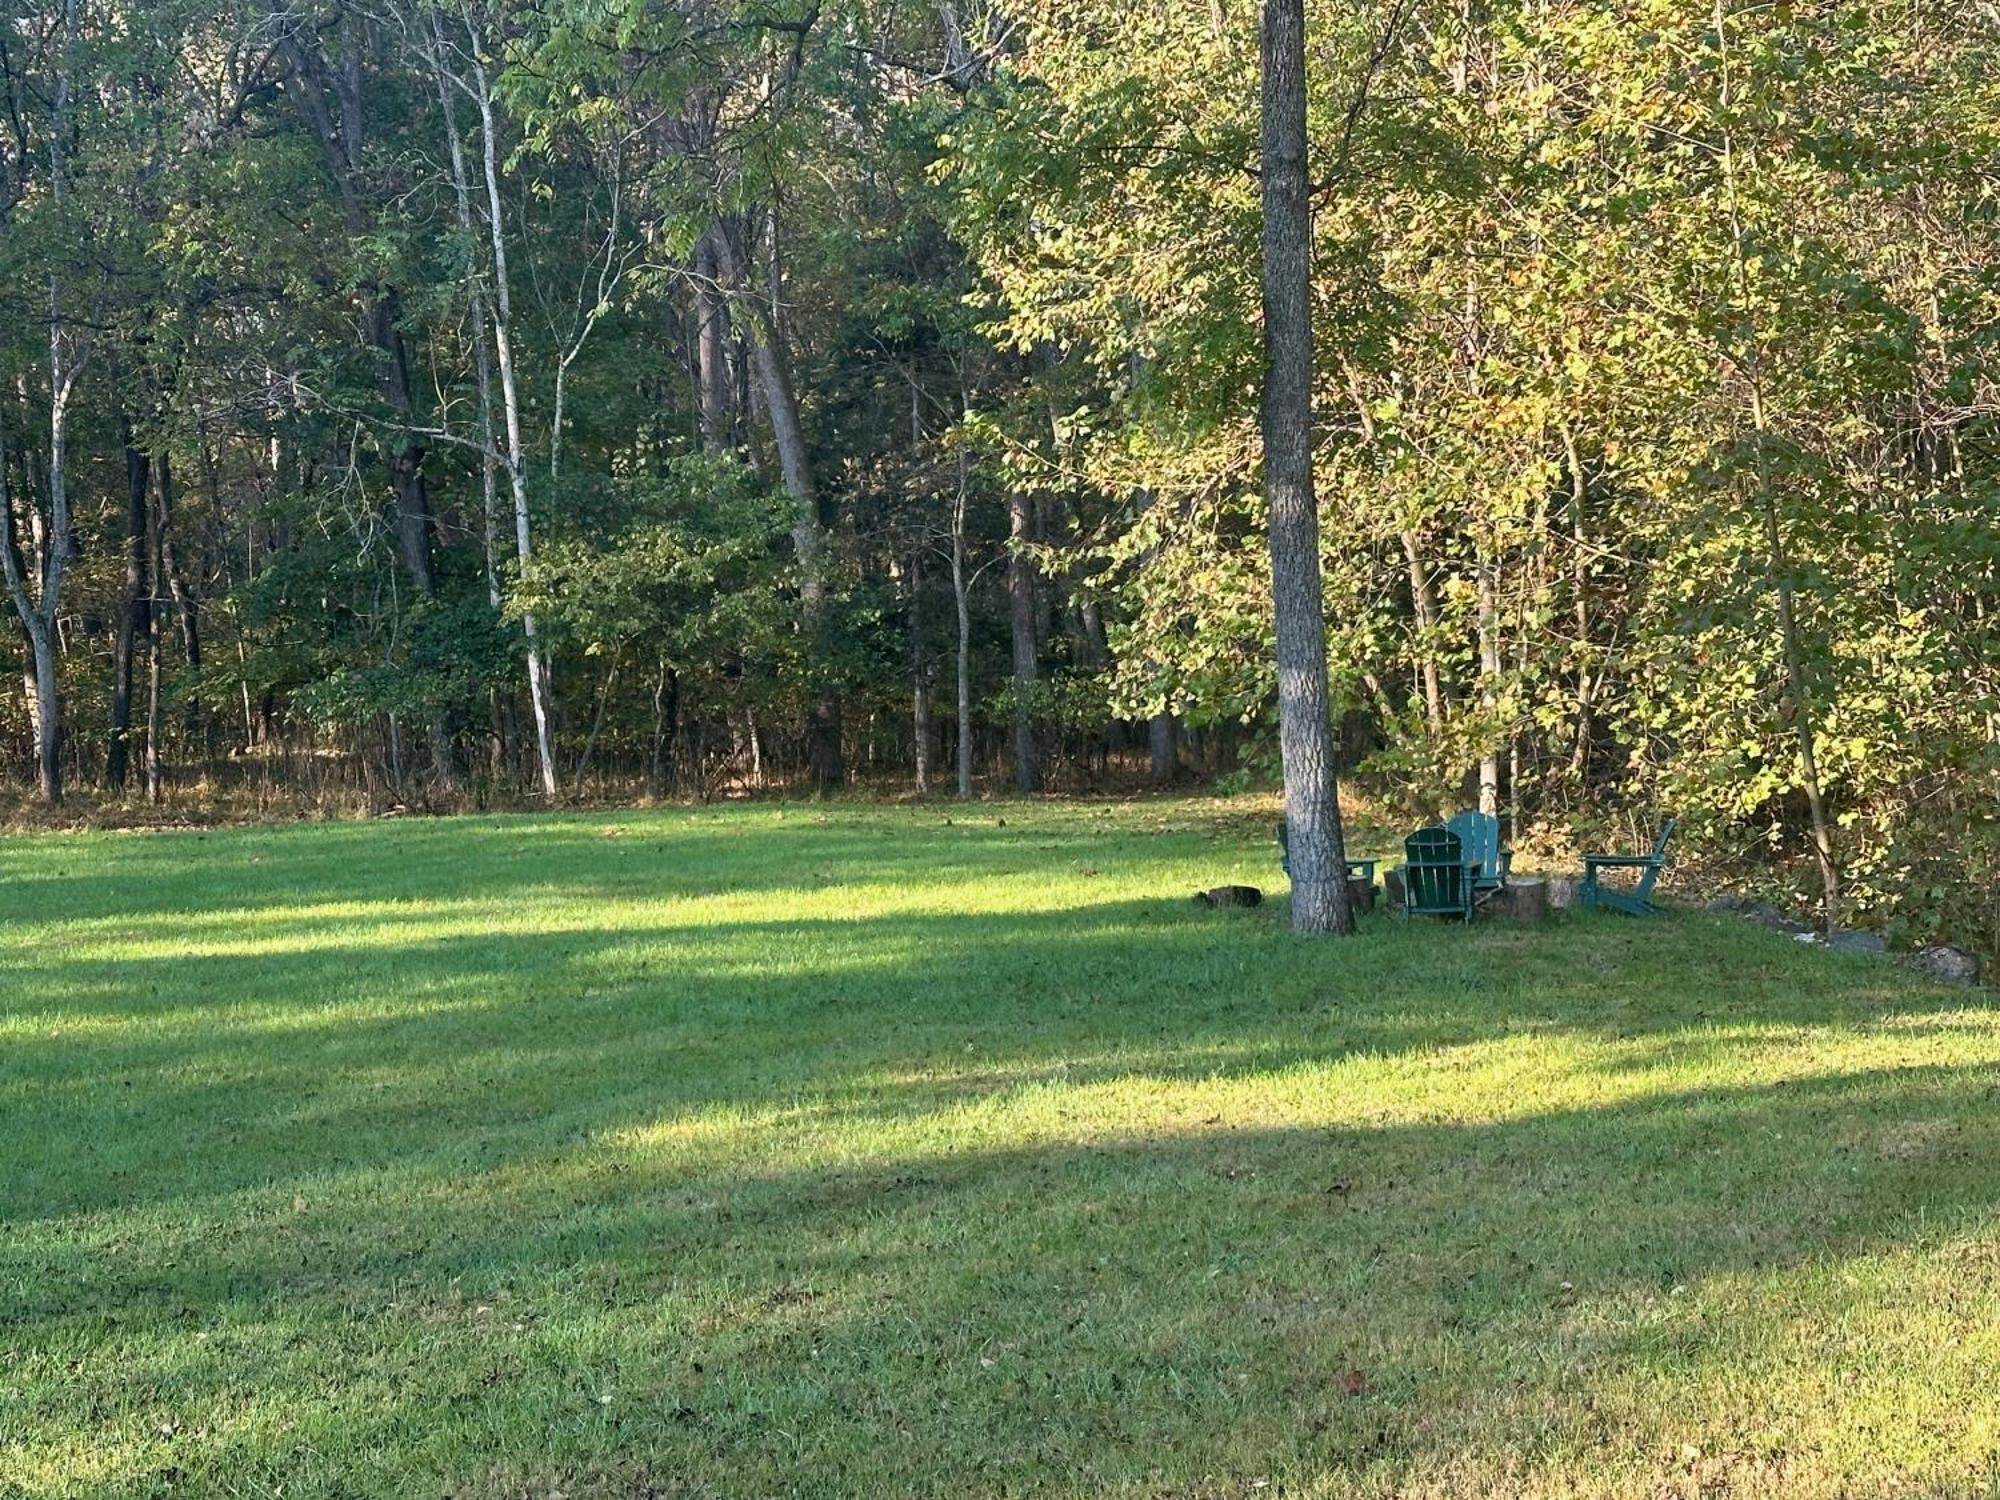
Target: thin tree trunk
point(961, 593)
point(920, 679)
point(711, 360)
point(135, 619)
point(781, 408)
point(596, 727)
point(1489, 681)
point(155, 767)
point(656, 766)
point(1423, 599)
point(187, 607)
point(482, 357)
point(1305, 734)
point(1586, 689)
point(517, 464)
point(1021, 626)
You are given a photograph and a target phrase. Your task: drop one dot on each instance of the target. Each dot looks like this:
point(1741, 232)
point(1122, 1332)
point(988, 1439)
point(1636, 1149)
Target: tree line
point(442, 401)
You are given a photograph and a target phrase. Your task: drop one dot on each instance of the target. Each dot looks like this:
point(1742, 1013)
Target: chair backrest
point(1434, 869)
point(1480, 833)
point(1666, 833)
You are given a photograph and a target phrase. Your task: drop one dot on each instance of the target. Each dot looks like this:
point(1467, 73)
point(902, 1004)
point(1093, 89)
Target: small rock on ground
point(1857, 942)
point(1941, 961)
point(1766, 915)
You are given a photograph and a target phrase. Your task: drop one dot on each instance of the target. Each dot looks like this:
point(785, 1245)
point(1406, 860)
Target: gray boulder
point(1857, 942)
point(1766, 915)
point(1944, 963)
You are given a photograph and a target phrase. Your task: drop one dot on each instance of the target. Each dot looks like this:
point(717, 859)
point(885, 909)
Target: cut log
point(1518, 901)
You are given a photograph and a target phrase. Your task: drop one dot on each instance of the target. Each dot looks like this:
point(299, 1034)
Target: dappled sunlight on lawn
point(1015, 1177)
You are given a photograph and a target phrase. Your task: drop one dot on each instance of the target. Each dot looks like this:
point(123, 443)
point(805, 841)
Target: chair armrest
point(1621, 861)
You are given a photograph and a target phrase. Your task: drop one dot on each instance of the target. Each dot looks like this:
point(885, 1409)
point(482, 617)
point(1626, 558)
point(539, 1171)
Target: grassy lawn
point(953, 1151)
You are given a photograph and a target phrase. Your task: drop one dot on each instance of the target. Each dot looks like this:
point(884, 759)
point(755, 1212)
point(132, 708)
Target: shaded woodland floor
point(945, 1150)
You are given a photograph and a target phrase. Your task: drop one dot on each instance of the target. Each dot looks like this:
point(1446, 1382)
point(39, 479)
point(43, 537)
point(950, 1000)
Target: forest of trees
point(443, 403)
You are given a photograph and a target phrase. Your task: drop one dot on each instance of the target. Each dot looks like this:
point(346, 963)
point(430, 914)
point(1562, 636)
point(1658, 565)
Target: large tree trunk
point(135, 619)
point(1305, 730)
point(1021, 624)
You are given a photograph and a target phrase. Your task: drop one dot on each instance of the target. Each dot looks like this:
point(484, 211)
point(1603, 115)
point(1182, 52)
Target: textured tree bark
point(1021, 624)
point(134, 620)
point(48, 720)
point(1305, 730)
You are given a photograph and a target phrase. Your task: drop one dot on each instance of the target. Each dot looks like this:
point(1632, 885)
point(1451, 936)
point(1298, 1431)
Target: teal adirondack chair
point(1357, 869)
point(1480, 833)
point(1635, 900)
point(1438, 875)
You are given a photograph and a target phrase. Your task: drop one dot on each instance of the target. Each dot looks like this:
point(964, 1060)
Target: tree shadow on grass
point(1083, 1313)
point(928, 1202)
point(664, 854)
point(338, 1050)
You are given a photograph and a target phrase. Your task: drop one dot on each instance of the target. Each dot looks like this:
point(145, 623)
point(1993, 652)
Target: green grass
point(953, 1152)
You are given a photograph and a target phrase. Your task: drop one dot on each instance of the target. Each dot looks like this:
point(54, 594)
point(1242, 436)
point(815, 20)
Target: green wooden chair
point(1634, 900)
point(1480, 833)
point(1357, 869)
point(1438, 877)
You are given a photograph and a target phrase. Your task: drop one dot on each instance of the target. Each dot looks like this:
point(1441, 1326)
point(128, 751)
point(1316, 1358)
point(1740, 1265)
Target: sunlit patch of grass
point(943, 1150)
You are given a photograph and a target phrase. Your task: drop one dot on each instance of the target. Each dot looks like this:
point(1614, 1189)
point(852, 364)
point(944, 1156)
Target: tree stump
point(1361, 897)
point(1392, 888)
point(1518, 901)
point(1562, 891)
